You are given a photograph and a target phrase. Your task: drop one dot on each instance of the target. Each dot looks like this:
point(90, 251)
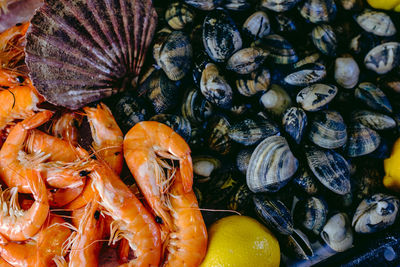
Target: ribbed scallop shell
point(79, 51)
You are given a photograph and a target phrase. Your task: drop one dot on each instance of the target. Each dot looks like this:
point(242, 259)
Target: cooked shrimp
point(144, 145)
point(3, 263)
point(12, 43)
point(132, 220)
point(17, 224)
point(107, 136)
point(87, 195)
point(63, 196)
point(66, 127)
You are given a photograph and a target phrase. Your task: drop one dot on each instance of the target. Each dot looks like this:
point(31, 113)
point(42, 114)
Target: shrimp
point(17, 224)
point(87, 195)
point(143, 145)
point(107, 136)
point(63, 196)
point(66, 127)
point(3, 263)
point(12, 43)
point(132, 220)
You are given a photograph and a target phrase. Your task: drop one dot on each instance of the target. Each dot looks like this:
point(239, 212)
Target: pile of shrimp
point(62, 205)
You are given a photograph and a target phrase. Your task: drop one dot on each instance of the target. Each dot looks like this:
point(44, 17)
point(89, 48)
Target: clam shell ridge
point(80, 51)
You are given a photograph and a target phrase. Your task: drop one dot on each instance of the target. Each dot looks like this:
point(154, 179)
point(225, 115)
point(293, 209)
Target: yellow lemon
point(385, 4)
point(241, 241)
point(392, 168)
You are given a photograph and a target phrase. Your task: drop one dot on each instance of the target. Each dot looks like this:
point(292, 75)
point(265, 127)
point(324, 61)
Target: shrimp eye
point(159, 220)
point(54, 190)
point(20, 79)
point(18, 24)
point(93, 156)
point(97, 215)
point(75, 123)
point(84, 173)
point(117, 153)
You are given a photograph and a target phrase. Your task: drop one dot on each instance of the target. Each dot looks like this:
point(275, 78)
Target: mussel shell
point(281, 51)
point(346, 72)
point(178, 15)
point(373, 120)
point(328, 130)
point(203, 4)
point(218, 139)
point(376, 22)
point(274, 214)
point(176, 55)
point(241, 199)
point(279, 5)
point(276, 100)
point(215, 88)
point(130, 110)
point(337, 232)
point(294, 123)
point(318, 11)
point(246, 60)
point(383, 58)
point(311, 214)
point(373, 97)
point(249, 85)
point(306, 74)
point(271, 165)
point(297, 245)
point(306, 183)
point(330, 168)
point(204, 166)
point(243, 159)
point(257, 25)
point(179, 124)
point(252, 131)
point(315, 97)
point(375, 213)
point(362, 140)
point(324, 38)
point(221, 37)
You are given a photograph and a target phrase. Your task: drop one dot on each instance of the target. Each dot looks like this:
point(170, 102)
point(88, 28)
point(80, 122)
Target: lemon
point(241, 241)
point(392, 168)
point(385, 4)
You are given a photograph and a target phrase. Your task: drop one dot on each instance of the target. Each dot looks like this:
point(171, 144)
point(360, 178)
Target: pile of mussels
point(289, 107)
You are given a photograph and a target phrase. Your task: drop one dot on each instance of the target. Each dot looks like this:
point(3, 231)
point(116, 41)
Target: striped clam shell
point(376, 22)
point(362, 140)
point(373, 97)
point(318, 11)
point(324, 38)
point(315, 97)
point(297, 245)
point(294, 123)
point(279, 5)
point(383, 58)
point(236, 5)
point(218, 139)
point(306, 182)
point(179, 124)
point(195, 107)
point(203, 4)
point(178, 15)
point(241, 199)
point(311, 214)
point(246, 60)
point(281, 51)
point(249, 85)
point(306, 74)
point(257, 25)
point(373, 120)
point(243, 159)
point(271, 165)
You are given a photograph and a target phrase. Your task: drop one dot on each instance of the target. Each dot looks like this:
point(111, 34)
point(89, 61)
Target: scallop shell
point(362, 140)
point(316, 96)
point(246, 60)
point(383, 58)
point(81, 51)
point(376, 22)
point(294, 122)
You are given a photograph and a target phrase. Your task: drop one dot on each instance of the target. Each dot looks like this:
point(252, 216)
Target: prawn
point(88, 193)
point(66, 127)
point(132, 220)
point(107, 136)
point(63, 196)
point(12, 42)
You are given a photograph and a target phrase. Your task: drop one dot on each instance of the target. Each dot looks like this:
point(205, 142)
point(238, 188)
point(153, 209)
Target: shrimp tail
point(37, 120)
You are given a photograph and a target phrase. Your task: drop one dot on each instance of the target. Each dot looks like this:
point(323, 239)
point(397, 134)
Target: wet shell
point(362, 140)
point(179, 124)
point(159, 39)
point(298, 246)
point(130, 110)
point(200, 62)
point(324, 38)
point(318, 11)
point(178, 15)
point(306, 75)
point(352, 4)
point(316, 96)
point(375, 213)
point(279, 5)
point(306, 183)
point(376, 22)
point(311, 214)
point(373, 97)
point(246, 60)
point(383, 58)
point(215, 88)
point(221, 37)
point(220, 188)
point(373, 120)
point(176, 55)
point(218, 135)
point(276, 100)
point(106, 44)
point(243, 159)
point(274, 214)
point(271, 165)
point(204, 166)
point(241, 199)
point(284, 24)
point(257, 25)
point(281, 51)
point(203, 4)
point(249, 85)
point(337, 233)
point(252, 131)
point(294, 122)
point(346, 72)
point(236, 5)
point(330, 168)
point(195, 107)
point(328, 130)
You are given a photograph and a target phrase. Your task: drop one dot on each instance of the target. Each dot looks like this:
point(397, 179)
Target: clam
point(221, 37)
point(130, 110)
point(346, 71)
point(274, 214)
point(203, 4)
point(241, 199)
point(195, 107)
point(215, 88)
point(179, 124)
point(246, 60)
point(306, 183)
point(294, 122)
point(362, 140)
point(328, 130)
point(252, 131)
point(243, 159)
point(373, 120)
point(257, 25)
point(352, 4)
point(271, 165)
point(106, 44)
point(220, 188)
point(279, 5)
point(330, 168)
point(318, 11)
point(257, 81)
point(337, 233)
point(311, 214)
point(373, 97)
point(324, 38)
point(159, 39)
point(383, 58)
point(297, 245)
point(236, 5)
point(276, 100)
point(280, 50)
point(306, 74)
point(375, 213)
point(204, 166)
point(200, 61)
point(284, 24)
point(376, 22)
point(218, 139)
point(315, 97)
point(178, 15)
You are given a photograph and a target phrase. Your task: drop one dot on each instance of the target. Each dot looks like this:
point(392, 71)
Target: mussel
point(241, 199)
point(373, 97)
point(130, 110)
point(297, 245)
point(337, 232)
